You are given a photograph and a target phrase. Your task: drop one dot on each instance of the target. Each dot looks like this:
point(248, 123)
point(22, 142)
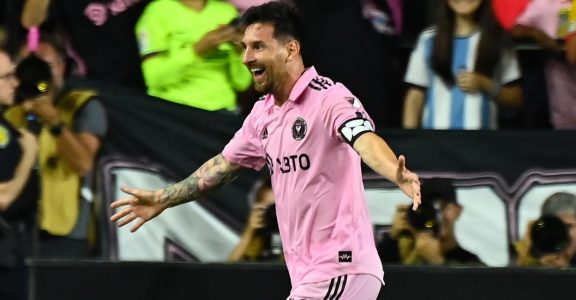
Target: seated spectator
point(18, 192)
point(427, 236)
point(100, 35)
point(546, 22)
point(72, 124)
point(188, 53)
point(257, 241)
point(460, 70)
point(552, 250)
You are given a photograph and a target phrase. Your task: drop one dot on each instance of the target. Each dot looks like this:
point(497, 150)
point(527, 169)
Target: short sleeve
point(418, 70)
point(245, 148)
point(151, 32)
point(91, 118)
point(345, 116)
point(509, 68)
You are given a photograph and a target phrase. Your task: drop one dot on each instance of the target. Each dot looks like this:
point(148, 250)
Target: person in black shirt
point(18, 192)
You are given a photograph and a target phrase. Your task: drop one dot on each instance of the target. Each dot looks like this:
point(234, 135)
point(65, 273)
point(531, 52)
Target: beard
point(264, 87)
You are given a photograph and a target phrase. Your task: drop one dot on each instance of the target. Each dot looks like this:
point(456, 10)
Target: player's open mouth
point(257, 73)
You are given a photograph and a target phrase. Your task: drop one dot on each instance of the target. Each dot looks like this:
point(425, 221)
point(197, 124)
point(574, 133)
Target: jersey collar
point(302, 84)
point(299, 88)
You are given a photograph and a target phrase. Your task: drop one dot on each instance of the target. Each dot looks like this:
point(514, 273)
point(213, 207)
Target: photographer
point(18, 191)
point(427, 235)
point(260, 240)
point(72, 123)
point(550, 241)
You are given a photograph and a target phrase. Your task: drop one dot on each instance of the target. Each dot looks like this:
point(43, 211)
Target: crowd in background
point(188, 53)
point(471, 70)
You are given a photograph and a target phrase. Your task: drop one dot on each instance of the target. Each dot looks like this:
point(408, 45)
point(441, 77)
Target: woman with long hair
point(460, 69)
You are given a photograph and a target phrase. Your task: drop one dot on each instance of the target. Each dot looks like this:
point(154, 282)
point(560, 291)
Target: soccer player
point(312, 133)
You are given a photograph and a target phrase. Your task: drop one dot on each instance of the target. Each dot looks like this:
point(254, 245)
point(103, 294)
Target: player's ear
point(293, 48)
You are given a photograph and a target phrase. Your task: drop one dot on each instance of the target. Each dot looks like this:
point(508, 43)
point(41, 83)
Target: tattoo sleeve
point(213, 174)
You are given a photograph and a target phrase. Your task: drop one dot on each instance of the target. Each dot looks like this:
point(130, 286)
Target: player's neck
point(282, 93)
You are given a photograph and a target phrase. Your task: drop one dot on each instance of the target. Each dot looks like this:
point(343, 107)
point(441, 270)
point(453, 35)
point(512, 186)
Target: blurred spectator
point(72, 125)
point(260, 239)
point(547, 244)
point(188, 55)
point(460, 69)
point(100, 34)
point(549, 21)
point(427, 235)
point(18, 192)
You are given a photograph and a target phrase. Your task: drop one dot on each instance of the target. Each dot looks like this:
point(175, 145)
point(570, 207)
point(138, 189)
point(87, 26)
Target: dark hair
point(283, 16)
point(493, 40)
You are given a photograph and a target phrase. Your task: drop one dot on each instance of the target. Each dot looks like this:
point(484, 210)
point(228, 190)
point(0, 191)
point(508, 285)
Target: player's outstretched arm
point(145, 205)
point(379, 157)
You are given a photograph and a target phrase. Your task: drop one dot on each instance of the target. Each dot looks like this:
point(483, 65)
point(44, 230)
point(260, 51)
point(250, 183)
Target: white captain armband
point(352, 129)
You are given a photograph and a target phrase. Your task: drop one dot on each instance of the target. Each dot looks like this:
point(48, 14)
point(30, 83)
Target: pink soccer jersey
point(320, 204)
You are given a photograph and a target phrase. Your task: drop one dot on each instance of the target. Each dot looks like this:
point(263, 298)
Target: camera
point(35, 77)
point(549, 235)
point(425, 218)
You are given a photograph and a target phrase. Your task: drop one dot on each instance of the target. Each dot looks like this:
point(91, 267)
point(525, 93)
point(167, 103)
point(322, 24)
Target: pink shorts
point(345, 287)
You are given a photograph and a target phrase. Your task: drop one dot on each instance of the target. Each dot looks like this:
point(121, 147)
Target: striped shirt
point(448, 107)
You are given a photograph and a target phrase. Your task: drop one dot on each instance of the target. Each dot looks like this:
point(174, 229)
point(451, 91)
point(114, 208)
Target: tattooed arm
point(145, 205)
point(210, 176)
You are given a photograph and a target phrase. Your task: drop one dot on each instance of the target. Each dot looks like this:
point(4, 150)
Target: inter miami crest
point(299, 129)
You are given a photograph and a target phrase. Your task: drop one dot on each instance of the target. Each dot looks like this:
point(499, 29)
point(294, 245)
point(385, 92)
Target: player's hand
point(408, 182)
point(141, 206)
